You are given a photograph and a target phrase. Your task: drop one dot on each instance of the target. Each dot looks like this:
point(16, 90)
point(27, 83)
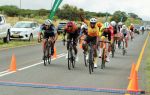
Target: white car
point(25, 30)
point(4, 29)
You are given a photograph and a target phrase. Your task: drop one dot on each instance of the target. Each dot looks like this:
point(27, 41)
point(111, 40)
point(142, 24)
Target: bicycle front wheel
point(69, 60)
point(91, 63)
point(113, 50)
point(49, 55)
point(103, 59)
point(85, 61)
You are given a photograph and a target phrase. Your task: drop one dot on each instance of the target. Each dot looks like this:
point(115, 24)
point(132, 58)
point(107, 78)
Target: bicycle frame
point(71, 57)
point(104, 53)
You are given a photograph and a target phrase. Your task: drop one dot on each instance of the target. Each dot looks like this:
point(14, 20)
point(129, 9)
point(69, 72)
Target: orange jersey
point(92, 31)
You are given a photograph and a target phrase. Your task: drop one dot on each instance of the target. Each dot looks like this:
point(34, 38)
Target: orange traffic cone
point(133, 85)
point(132, 71)
point(55, 55)
point(13, 66)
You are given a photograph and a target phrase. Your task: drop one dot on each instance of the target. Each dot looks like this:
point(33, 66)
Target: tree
point(118, 16)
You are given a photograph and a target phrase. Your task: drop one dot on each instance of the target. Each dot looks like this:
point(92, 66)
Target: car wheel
point(31, 37)
point(7, 38)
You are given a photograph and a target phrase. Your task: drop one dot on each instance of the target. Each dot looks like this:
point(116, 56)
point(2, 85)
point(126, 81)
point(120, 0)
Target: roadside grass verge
point(16, 43)
point(19, 43)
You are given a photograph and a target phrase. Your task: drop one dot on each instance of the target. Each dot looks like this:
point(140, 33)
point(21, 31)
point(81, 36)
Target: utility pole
point(20, 9)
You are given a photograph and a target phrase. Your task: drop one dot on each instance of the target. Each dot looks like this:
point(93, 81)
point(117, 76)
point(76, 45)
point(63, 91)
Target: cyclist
point(106, 33)
point(92, 36)
point(142, 29)
point(114, 25)
point(124, 31)
point(119, 35)
point(72, 34)
point(50, 34)
point(131, 28)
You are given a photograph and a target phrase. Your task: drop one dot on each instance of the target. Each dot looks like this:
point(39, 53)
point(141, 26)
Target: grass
point(147, 69)
point(16, 43)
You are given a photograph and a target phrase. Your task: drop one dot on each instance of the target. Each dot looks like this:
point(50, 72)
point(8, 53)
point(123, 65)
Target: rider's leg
point(109, 48)
point(101, 47)
point(108, 53)
point(68, 40)
point(75, 41)
point(94, 39)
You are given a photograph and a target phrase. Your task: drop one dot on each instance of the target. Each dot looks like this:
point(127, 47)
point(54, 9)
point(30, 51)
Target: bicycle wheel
point(91, 62)
point(72, 58)
point(85, 61)
point(113, 49)
point(123, 49)
point(69, 60)
point(49, 55)
point(103, 59)
point(45, 54)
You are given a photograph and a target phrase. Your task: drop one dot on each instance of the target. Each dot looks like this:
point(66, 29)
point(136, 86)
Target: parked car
point(147, 27)
point(25, 30)
point(61, 27)
point(4, 29)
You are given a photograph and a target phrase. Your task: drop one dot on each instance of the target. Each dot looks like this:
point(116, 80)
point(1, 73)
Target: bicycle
point(91, 57)
point(47, 52)
point(104, 53)
point(84, 53)
point(71, 55)
point(123, 48)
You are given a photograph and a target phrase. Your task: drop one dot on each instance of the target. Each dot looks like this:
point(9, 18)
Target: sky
point(139, 7)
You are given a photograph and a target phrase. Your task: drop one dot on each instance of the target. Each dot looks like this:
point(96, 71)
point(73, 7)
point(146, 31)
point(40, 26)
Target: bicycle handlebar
point(105, 41)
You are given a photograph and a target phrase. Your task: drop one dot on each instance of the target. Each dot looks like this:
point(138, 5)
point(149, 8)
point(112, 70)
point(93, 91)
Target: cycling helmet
point(84, 26)
point(124, 27)
point(106, 25)
point(99, 24)
point(113, 23)
point(70, 24)
point(131, 24)
point(120, 23)
point(93, 20)
point(48, 22)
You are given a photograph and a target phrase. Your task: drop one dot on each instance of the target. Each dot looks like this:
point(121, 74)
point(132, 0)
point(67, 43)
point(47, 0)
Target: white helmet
point(124, 27)
point(131, 24)
point(48, 22)
point(120, 23)
point(84, 26)
point(113, 23)
point(93, 20)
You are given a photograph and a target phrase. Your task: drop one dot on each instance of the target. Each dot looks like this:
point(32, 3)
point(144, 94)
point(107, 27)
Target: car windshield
point(22, 25)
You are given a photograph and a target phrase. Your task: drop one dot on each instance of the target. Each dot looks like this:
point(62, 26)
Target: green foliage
point(118, 15)
point(10, 10)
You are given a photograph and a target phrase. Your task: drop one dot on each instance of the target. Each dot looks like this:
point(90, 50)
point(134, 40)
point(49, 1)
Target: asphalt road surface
point(30, 69)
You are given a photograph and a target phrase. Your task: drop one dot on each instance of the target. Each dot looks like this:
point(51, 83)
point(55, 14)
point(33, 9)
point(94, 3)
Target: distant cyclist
point(92, 36)
point(72, 32)
point(115, 32)
point(124, 31)
point(119, 35)
point(49, 33)
point(142, 29)
point(106, 33)
point(131, 28)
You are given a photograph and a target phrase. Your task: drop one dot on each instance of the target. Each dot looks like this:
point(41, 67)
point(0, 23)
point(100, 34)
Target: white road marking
point(3, 73)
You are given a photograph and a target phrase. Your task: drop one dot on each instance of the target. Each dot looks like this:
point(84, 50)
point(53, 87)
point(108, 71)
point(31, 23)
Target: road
point(31, 70)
